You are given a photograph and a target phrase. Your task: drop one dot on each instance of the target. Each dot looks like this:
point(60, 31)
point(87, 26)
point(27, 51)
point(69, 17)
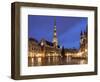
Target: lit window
point(42, 44)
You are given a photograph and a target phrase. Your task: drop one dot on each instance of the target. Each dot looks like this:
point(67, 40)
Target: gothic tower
point(81, 41)
point(55, 41)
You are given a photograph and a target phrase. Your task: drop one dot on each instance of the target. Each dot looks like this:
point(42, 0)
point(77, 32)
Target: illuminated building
point(84, 43)
point(44, 48)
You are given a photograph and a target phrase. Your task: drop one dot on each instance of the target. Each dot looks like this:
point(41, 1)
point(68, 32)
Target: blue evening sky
point(68, 29)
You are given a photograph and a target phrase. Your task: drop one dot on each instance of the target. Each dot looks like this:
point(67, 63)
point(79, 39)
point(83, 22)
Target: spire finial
point(54, 21)
point(81, 33)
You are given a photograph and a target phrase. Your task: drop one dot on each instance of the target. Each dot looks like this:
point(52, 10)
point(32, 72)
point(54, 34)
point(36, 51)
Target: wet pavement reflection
point(40, 61)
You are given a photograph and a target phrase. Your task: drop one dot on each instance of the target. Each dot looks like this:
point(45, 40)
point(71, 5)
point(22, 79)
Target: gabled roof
point(47, 42)
point(32, 39)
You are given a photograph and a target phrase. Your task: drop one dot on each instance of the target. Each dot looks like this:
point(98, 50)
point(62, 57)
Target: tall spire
point(54, 21)
point(55, 41)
